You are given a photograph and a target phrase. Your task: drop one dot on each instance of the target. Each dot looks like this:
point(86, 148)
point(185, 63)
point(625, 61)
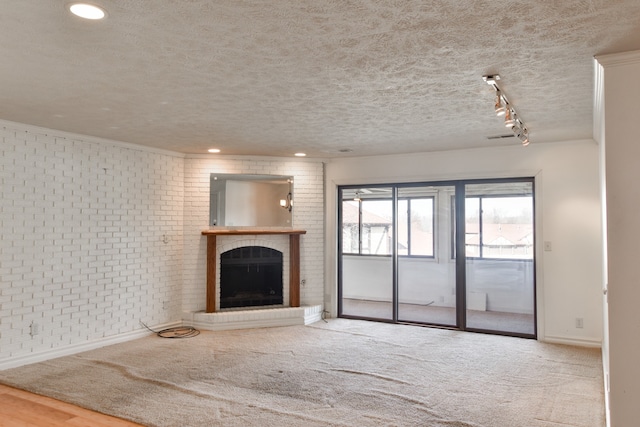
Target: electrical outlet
point(303, 282)
point(34, 329)
point(579, 322)
point(547, 246)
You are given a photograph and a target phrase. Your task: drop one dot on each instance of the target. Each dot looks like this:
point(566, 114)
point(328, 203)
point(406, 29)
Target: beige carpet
point(341, 373)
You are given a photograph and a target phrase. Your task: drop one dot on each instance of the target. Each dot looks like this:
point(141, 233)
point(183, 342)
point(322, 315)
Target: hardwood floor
point(21, 409)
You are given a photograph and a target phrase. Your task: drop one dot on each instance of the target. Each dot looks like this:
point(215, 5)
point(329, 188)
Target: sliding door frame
point(461, 258)
point(459, 234)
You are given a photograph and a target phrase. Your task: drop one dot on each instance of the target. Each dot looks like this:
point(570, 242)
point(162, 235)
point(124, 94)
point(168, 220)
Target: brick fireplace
point(241, 238)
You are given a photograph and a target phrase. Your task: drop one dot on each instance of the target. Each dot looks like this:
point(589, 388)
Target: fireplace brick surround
point(294, 313)
point(308, 215)
point(213, 260)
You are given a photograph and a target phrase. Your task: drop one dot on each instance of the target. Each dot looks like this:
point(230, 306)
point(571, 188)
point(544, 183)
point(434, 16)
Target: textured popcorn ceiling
point(273, 77)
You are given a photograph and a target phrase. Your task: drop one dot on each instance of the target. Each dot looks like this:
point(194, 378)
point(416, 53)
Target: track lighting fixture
point(500, 109)
point(521, 133)
point(524, 137)
point(503, 107)
point(509, 119)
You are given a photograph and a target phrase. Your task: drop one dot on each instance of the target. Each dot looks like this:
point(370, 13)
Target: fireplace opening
point(250, 276)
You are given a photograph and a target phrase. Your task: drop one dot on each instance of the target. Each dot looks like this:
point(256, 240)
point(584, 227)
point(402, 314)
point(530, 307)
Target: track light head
point(499, 107)
point(524, 137)
point(518, 127)
point(509, 119)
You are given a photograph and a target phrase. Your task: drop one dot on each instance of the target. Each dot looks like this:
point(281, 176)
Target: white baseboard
point(580, 342)
point(41, 356)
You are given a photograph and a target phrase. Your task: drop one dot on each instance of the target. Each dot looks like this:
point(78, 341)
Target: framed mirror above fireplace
point(245, 200)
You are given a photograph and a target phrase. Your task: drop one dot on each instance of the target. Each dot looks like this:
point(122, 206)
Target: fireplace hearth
point(250, 276)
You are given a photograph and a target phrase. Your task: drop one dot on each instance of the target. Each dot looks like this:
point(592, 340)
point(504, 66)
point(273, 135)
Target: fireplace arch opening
point(251, 276)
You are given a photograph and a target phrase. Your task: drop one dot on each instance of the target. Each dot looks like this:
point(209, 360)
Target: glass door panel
point(499, 230)
point(366, 258)
point(426, 264)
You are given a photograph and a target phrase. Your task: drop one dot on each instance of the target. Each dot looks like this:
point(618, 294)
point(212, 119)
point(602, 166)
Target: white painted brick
point(71, 226)
point(308, 188)
point(82, 246)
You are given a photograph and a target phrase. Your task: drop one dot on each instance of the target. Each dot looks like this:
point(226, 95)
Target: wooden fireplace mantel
point(294, 259)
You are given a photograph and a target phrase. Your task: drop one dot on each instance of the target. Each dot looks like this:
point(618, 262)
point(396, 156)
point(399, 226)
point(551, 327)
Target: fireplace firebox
point(250, 276)
point(212, 291)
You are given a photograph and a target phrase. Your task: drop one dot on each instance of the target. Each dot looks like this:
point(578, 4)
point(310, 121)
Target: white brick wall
point(83, 222)
point(308, 214)
point(82, 252)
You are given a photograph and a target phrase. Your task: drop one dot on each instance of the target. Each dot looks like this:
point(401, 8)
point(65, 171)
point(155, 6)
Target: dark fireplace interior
point(250, 276)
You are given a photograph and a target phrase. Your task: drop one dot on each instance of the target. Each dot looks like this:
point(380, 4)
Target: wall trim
point(55, 133)
point(617, 59)
point(23, 127)
point(607, 389)
point(256, 158)
point(598, 102)
point(41, 356)
point(580, 342)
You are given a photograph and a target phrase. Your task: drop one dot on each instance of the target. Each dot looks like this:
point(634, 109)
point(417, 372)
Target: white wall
point(308, 214)
point(621, 152)
point(567, 210)
point(82, 253)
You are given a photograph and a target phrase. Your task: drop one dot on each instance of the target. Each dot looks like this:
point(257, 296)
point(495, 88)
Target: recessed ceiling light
point(213, 150)
point(87, 11)
point(300, 154)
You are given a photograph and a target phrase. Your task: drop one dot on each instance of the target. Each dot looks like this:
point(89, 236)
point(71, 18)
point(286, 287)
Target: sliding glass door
point(367, 243)
point(499, 257)
point(398, 257)
point(426, 272)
